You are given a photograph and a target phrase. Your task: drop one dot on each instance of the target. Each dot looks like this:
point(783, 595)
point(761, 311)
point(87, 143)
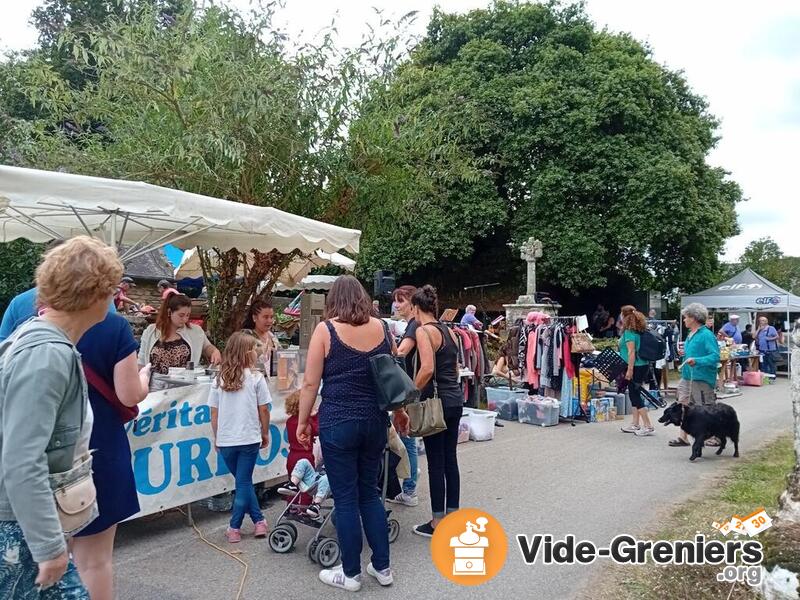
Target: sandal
point(678, 442)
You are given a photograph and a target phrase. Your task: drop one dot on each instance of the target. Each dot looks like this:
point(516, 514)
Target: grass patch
point(756, 481)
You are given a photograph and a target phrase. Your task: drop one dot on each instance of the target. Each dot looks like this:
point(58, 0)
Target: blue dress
point(102, 347)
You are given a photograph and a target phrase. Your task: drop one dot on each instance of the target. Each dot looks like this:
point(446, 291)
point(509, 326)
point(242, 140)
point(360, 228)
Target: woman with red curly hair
point(633, 325)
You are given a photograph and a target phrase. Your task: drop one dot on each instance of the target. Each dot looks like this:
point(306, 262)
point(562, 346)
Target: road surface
point(590, 480)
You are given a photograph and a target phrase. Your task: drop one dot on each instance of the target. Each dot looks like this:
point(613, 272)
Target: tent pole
point(156, 243)
point(80, 218)
point(163, 241)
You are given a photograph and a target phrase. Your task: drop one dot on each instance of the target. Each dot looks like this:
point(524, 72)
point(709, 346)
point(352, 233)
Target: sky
point(743, 57)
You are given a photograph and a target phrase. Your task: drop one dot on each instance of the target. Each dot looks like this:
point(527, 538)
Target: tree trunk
point(229, 293)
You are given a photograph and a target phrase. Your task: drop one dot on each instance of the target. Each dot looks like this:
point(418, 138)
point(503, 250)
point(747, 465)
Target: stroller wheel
point(311, 548)
point(292, 530)
point(394, 530)
point(281, 540)
point(328, 553)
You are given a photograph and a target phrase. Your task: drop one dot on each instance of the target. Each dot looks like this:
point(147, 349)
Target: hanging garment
point(567, 355)
point(513, 346)
point(475, 346)
point(522, 344)
point(566, 398)
point(556, 350)
point(545, 341)
point(531, 372)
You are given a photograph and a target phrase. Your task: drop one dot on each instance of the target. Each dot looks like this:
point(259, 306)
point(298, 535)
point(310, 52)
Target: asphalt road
point(590, 480)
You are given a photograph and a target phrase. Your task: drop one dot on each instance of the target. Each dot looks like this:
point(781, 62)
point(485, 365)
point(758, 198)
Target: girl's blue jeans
point(241, 461)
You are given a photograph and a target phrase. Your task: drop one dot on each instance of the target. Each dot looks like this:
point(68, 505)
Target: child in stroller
point(305, 479)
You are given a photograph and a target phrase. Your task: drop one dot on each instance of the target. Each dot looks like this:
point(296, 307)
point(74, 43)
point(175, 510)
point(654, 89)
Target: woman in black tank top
point(436, 346)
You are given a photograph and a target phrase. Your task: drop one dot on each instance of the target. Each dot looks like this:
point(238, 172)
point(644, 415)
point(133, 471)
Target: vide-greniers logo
point(742, 557)
point(469, 547)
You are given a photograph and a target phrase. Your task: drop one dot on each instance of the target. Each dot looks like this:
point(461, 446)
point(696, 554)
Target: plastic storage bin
point(481, 424)
point(463, 429)
point(504, 402)
point(537, 410)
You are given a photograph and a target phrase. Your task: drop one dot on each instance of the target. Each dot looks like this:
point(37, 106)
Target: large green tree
point(765, 257)
point(526, 119)
point(213, 102)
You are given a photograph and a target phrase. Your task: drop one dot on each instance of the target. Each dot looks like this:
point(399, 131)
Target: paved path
point(589, 480)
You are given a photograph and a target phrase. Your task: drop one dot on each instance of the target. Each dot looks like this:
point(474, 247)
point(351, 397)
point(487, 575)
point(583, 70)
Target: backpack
point(652, 346)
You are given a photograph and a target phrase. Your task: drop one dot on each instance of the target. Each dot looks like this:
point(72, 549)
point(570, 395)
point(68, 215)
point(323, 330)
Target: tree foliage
point(525, 117)
point(19, 259)
point(214, 102)
point(765, 257)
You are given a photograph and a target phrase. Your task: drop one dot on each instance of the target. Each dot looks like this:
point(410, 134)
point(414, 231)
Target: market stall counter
point(172, 443)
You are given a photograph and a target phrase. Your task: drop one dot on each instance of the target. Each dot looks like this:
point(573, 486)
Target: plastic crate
point(537, 410)
point(463, 429)
point(481, 424)
point(504, 402)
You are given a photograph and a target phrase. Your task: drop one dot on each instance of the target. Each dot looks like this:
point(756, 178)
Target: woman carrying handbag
point(438, 377)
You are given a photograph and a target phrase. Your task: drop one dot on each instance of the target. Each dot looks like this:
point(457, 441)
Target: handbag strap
point(435, 384)
point(100, 385)
point(387, 336)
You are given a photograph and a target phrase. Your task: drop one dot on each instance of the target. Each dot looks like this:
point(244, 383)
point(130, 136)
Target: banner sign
point(173, 455)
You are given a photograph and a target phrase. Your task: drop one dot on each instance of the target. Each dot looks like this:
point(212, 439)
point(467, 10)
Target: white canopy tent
point(45, 205)
point(747, 291)
point(309, 282)
point(291, 276)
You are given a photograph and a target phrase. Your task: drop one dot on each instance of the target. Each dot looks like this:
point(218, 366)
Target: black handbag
point(394, 387)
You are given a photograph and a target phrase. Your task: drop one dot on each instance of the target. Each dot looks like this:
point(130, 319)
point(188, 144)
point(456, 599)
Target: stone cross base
point(521, 309)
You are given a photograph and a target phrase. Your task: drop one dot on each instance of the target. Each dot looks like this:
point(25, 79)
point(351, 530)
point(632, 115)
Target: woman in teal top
point(700, 361)
point(634, 324)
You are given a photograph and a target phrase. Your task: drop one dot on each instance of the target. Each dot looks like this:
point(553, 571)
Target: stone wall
point(145, 292)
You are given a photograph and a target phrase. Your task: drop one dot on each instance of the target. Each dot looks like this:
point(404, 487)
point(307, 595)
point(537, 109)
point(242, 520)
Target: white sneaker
point(645, 431)
point(384, 577)
point(629, 429)
point(335, 577)
point(404, 499)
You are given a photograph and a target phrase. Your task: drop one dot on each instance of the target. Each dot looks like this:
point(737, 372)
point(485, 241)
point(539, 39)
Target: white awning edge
point(44, 205)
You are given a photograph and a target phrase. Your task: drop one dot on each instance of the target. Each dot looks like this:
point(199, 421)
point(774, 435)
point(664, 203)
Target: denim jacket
point(43, 403)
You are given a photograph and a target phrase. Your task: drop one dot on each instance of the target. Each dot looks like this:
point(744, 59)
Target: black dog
point(703, 422)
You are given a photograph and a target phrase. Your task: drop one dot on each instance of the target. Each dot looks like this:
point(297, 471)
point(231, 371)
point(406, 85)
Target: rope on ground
point(231, 554)
point(731, 592)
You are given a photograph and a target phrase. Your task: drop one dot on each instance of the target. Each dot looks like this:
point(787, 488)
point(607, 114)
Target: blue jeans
point(769, 362)
point(307, 476)
point(18, 571)
point(353, 452)
point(241, 460)
point(410, 484)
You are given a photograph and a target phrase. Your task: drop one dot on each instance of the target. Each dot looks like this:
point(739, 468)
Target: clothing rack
point(570, 320)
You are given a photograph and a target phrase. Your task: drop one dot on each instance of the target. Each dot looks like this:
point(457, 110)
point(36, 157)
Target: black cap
point(164, 283)
point(128, 280)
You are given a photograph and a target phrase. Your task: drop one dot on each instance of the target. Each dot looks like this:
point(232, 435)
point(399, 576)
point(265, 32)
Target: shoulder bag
point(426, 417)
point(126, 413)
point(580, 343)
point(394, 388)
point(75, 495)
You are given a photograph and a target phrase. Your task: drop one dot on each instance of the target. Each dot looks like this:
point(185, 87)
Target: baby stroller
point(321, 549)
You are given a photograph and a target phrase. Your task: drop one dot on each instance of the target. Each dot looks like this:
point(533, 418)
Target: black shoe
point(314, 512)
point(425, 530)
point(288, 489)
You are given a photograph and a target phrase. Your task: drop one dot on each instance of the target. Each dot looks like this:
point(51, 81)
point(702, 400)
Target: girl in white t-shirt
point(240, 419)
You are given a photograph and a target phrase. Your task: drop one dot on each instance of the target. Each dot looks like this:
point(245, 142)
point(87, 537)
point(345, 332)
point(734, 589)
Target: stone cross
point(530, 251)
